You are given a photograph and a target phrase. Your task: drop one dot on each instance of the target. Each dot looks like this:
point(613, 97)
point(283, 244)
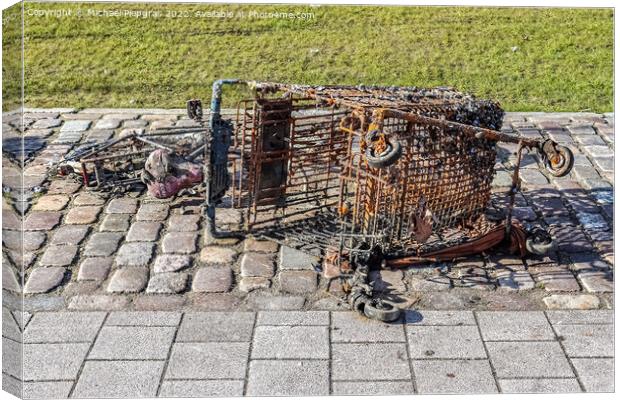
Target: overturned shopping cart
point(368, 176)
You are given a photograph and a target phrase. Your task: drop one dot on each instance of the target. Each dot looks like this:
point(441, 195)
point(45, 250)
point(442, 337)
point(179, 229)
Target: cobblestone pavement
point(294, 353)
point(87, 251)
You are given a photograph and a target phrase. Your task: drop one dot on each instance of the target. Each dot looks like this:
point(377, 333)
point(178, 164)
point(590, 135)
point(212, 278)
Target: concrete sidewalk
point(294, 353)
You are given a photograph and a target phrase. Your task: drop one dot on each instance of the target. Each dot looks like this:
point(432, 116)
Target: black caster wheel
point(381, 311)
point(561, 163)
point(539, 242)
point(392, 152)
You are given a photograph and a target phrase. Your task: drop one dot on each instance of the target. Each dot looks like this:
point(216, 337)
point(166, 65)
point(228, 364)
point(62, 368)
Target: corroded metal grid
point(286, 160)
point(301, 174)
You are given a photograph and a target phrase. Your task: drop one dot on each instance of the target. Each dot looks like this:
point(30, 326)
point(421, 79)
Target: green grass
point(11, 58)
point(562, 58)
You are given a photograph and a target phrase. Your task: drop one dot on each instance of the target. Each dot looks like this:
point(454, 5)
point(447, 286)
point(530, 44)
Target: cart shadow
point(412, 317)
point(29, 145)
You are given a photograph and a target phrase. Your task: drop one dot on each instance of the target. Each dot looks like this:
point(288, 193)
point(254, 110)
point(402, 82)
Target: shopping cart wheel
point(539, 242)
point(388, 157)
point(381, 311)
point(560, 163)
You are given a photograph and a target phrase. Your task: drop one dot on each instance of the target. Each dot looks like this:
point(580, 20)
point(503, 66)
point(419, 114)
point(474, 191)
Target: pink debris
point(163, 185)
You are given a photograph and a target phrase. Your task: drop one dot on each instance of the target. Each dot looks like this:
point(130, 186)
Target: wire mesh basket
point(407, 171)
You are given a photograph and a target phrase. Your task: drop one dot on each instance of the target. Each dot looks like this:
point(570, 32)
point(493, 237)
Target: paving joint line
point(330, 384)
point(538, 378)
point(16, 341)
point(409, 359)
point(90, 348)
point(201, 379)
point(450, 359)
point(61, 342)
point(593, 358)
point(19, 326)
point(141, 326)
point(124, 359)
point(520, 341)
point(486, 351)
point(167, 359)
point(289, 359)
point(570, 363)
point(373, 380)
point(14, 377)
point(213, 341)
point(374, 342)
point(249, 358)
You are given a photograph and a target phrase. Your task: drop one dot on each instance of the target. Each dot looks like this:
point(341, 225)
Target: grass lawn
point(528, 59)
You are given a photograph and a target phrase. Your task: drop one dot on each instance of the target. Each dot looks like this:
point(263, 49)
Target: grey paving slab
point(63, 327)
point(98, 302)
point(171, 263)
point(36, 303)
point(529, 360)
point(444, 342)
point(95, 269)
point(576, 317)
point(12, 360)
point(595, 281)
point(213, 279)
point(10, 329)
point(288, 378)
point(380, 361)
point(167, 282)
point(372, 388)
point(350, 327)
point(284, 342)
point(143, 231)
point(103, 244)
point(152, 211)
point(511, 325)
point(107, 124)
point(208, 361)
point(293, 318)
point(587, 340)
point(122, 206)
point(220, 388)
point(42, 280)
point(119, 379)
point(135, 254)
point(47, 390)
point(571, 301)
point(255, 264)
point(562, 385)
point(453, 376)
point(76, 125)
point(54, 361)
point(70, 234)
point(290, 258)
point(144, 318)
point(12, 385)
point(273, 302)
point(128, 280)
point(431, 317)
point(10, 281)
point(133, 343)
point(216, 327)
point(596, 374)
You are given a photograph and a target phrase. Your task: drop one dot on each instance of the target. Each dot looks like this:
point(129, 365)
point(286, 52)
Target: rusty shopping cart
point(369, 175)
